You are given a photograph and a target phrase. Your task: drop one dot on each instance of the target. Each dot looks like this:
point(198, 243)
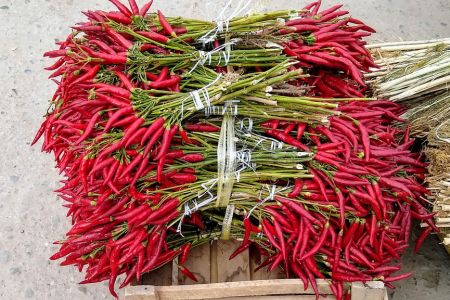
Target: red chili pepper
point(182, 178)
point(165, 24)
point(184, 255)
point(286, 139)
point(113, 59)
point(201, 127)
point(152, 129)
point(163, 259)
point(239, 250)
point(154, 36)
point(297, 269)
point(41, 131)
point(83, 169)
point(297, 207)
point(55, 53)
point(114, 259)
point(168, 208)
point(319, 243)
point(131, 130)
point(127, 83)
point(297, 188)
point(165, 144)
point(422, 238)
point(57, 64)
point(269, 231)
point(300, 28)
point(115, 208)
point(146, 8)
point(89, 128)
point(398, 277)
point(134, 7)
point(163, 84)
point(188, 273)
point(117, 91)
point(120, 18)
point(332, 28)
point(409, 161)
point(122, 8)
point(330, 10)
point(341, 207)
point(359, 255)
point(135, 138)
point(395, 184)
point(87, 76)
point(350, 278)
point(159, 132)
point(301, 130)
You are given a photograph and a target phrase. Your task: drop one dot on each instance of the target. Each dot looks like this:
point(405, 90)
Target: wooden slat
point(141, 292)
point(237, 269)
point(369, 291)
point(234, 289)
point(159, 277)
point(149, 293)
point(255, 261)
point(283, 289)
point(198, 263)
point(210, 263)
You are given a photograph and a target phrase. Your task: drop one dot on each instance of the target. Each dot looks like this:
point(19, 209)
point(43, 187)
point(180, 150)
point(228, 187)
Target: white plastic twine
point(247, 128)
point(207, 196)
point(201, 97)
point(206, 56)
point(227, 220)
point(226, 161)
point(272, 190)
point(244, 159)
point(226, 170)
point(222, 22)
point(230, 107)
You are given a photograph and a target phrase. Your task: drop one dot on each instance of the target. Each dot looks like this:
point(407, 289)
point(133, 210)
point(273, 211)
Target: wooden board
point(263, 274)
point(237, 269)
point(199, 263)
point(258, 289)
point(220, 278)
point(159, 277)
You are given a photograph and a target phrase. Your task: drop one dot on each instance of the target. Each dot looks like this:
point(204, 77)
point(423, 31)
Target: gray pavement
point(31, 216)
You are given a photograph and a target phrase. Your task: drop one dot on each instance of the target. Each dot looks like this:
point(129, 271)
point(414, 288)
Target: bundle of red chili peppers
point(322, 187)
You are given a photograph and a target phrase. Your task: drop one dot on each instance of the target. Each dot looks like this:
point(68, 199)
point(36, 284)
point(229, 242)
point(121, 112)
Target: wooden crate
point(220, 278)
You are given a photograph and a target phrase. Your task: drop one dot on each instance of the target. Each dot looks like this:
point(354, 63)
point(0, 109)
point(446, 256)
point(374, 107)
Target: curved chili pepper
point(89, 128)
point(165, 24)
point(184, 255)
point(319, 243)
point(122, 8)
point(422, 238)
point(146, 8)
point(165, 144)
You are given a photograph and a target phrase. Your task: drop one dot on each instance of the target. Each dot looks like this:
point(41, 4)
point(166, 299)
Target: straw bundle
point(417, 74)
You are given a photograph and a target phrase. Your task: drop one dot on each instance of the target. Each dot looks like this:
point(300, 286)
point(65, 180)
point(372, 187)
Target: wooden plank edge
point(229, 290)
point(141, 292)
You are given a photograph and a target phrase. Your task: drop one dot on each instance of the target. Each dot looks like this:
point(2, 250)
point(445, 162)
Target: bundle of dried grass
point(410, 69)
point(438, 153)
point(418, 75)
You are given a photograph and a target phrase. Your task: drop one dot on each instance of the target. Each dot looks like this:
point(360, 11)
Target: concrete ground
point(31, 216)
